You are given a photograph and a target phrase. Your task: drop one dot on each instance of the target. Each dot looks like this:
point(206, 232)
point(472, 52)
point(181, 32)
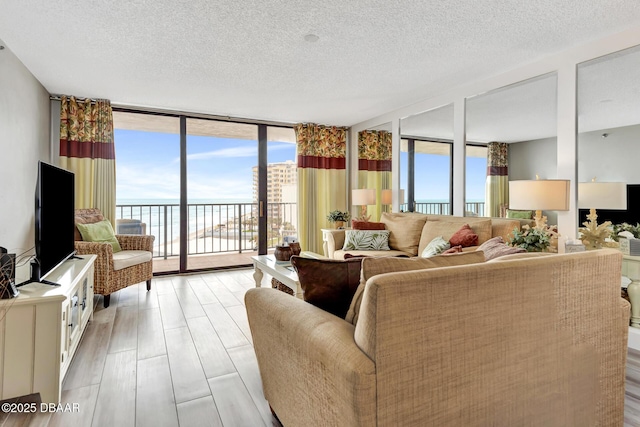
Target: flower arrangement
point(618, 228)
point(337, 216)
point(532, 239)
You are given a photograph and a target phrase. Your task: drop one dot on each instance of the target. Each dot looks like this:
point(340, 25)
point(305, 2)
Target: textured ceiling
point(250, 59)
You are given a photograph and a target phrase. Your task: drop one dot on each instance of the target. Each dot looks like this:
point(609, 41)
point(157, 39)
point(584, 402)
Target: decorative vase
point(295, 248)
point(283, 253)
point(338, 224)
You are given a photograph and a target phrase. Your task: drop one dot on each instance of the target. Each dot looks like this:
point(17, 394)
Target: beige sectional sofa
point(411, 232)
point(537, 341)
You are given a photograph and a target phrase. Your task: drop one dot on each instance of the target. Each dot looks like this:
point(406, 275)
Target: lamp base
point(363, 214)
point(540, 220)
point(593, 235)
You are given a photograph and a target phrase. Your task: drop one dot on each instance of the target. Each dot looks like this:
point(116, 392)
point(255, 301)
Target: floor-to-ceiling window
point(148, 181)
point(476, 177)
point(233, 184)
point(222, 218)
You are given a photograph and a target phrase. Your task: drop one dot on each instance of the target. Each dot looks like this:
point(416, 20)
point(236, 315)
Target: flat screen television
point(54, 221)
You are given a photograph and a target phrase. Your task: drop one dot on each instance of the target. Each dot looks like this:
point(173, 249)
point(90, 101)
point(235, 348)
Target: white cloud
point(233, 152)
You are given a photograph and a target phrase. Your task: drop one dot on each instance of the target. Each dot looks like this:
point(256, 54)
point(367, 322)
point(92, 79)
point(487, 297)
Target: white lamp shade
point(542, 194)
point(387, 197)
point(363, 196)
point(602, 195)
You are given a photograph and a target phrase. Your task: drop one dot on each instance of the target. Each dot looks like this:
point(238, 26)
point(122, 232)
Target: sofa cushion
point(328, 284)
point(124, 259)
point(464, 237)
point(496, 247)
point(513, 213)
point(447, 227)
point(404, 230)
point(366, 240)
point(99, 232)
point(435, 247)
point(375, 266)
point(340, 254)
point(366, 225)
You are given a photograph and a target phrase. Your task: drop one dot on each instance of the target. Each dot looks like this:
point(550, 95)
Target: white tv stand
point(41, 328)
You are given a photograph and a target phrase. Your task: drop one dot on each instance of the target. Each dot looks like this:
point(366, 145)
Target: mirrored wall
point(426, 161)
point(510, 135)
point(609, 130)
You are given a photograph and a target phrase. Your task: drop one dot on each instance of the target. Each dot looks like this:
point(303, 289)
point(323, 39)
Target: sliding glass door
point(213, 193)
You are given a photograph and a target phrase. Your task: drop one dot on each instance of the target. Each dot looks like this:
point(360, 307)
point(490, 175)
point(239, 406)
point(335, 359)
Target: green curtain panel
point(322, 179)
point(497, 186)
point(374, 165)
point(87, 150)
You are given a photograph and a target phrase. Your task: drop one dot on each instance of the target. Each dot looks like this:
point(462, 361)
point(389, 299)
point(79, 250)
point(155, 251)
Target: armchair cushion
point(100, 232)
point(124, 259)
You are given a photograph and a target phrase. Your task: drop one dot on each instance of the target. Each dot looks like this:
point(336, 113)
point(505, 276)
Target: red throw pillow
point(464, 237)
point(452, 250)
point(366, 225)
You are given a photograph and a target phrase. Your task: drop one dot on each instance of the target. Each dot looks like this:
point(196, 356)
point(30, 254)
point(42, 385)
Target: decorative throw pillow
point(435, 247)
point(366, 225)
point(101, 232)
point(511, 213)
point(453, 250)
point(373, 266)
point(496, 247)
point(464, 237)
point(366, 240)
point(328, 284)
point(404, 230)
point(446, 228)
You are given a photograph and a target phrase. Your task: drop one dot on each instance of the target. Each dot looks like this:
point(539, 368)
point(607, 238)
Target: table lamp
point(363, 197)
point(539, 195)
point(387, 197)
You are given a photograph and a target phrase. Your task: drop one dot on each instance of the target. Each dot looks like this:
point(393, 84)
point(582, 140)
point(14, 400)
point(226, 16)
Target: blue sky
point(148, 167)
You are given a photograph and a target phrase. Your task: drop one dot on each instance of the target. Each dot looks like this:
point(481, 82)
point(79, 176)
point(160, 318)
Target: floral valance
point(321, 147)
point(374, 150)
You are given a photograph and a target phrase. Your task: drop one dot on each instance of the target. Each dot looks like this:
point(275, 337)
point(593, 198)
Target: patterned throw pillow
point(496, 247)
point(366, 240)
point(435, 247)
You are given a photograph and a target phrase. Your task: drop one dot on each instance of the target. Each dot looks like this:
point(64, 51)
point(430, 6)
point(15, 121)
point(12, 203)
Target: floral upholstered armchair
point(115, 270)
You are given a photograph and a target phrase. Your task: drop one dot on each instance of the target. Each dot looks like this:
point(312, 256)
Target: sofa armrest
point(333, 240)
point(306, 356)
point(133, 242)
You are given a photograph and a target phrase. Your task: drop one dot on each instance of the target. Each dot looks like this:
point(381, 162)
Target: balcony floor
point(204, 261)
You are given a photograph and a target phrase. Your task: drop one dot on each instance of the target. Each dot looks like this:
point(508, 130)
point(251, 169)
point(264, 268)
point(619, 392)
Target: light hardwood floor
point(181, 355)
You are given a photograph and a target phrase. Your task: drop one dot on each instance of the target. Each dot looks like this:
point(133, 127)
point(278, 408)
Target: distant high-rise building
point(282, 180)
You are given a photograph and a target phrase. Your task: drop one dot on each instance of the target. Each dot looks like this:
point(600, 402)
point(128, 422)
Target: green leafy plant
point(336, 216)
point(633, 229)
point(531, 239)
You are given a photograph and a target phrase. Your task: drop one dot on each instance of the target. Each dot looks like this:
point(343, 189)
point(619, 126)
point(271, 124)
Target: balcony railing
point(437, 208)
point(212, 227)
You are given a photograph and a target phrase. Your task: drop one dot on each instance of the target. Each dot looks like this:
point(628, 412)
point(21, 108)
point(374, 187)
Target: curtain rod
point(59, 97)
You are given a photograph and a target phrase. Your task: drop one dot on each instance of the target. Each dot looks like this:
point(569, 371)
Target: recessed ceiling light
point(1, 47)
point(311, 38)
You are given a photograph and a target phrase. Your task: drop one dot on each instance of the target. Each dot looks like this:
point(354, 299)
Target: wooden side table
point(631, 269)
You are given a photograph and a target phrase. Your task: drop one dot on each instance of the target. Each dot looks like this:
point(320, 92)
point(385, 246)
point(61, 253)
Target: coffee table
point(280, 271)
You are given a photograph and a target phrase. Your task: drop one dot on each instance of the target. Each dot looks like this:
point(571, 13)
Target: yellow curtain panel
point(87, 150)
point(321, 179)
point(374, 166)
point(497, 185)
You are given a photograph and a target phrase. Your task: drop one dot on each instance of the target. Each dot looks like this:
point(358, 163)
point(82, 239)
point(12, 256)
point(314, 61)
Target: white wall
point(612, 159)
point(24, 139)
